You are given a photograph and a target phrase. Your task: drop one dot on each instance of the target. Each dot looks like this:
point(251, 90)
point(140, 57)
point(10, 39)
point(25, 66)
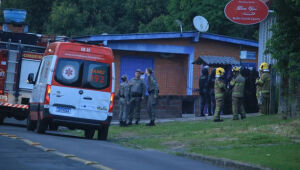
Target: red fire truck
point(18, 58)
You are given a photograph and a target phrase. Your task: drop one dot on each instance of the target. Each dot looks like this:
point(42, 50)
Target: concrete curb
point(186, 119)
point(223, 162)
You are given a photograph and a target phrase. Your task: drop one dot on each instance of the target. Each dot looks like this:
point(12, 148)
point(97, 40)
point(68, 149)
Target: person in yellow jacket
point(220, 89)
point(264, 84)
point(258, 92)
point(238, 84)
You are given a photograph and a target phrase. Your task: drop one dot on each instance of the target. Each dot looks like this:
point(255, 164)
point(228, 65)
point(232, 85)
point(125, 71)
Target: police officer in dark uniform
point(211, 81)
point(204, 91)
point(123, 94)
point(137, 90)
point(153, 95)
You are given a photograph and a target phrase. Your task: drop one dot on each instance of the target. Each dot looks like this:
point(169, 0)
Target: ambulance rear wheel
point(31, 124)
point(89, 133)
point(103, 132)
point(42, 125)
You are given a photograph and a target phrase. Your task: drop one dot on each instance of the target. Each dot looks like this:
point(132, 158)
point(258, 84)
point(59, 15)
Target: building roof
point(216, 60)
point(167, 35)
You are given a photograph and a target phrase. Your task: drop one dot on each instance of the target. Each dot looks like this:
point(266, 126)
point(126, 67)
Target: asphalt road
point(15, 154)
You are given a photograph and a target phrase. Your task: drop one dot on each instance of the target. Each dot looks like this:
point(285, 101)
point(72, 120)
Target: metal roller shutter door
point(129, 64)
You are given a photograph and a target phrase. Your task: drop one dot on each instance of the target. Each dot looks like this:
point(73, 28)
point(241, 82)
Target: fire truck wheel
point(53, 126)
point(31, 124)
point(42, 125)
point(1, 119)
point(103, 132)
point(89, 133)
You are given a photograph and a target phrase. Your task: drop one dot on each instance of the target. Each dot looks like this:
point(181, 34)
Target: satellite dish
point(200, 23)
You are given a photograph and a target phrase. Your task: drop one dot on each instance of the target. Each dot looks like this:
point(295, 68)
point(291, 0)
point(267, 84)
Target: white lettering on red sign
point(246, 12)
point(83, 49)
point(84, 56)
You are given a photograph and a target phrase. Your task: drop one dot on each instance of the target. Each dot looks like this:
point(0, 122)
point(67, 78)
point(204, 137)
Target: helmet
point(236, 69)
point(220, 72)
point(263, 66)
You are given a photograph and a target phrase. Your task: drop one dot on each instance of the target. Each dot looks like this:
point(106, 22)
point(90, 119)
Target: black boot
point(218, 120)
point(137, 122)
point(124, 124)
point(121, 123)
point(151, 123)
point(129, 123)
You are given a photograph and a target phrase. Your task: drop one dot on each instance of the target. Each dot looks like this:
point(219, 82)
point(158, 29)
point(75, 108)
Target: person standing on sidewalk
point(237, 84)
point(264, 83)
point(204, 91)
point(153, 95)
point(220, 89)
point(212, 78)
point(258, 92)
point(123, 94)
point(137, 90)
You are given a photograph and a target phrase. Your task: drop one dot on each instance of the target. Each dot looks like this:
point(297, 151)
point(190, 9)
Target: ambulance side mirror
point(30, 78)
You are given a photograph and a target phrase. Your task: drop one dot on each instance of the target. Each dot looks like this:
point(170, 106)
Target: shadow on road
point(14, 124)
point(53, 133)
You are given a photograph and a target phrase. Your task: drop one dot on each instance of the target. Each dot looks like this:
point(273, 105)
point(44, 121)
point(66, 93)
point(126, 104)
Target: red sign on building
point(246, 12)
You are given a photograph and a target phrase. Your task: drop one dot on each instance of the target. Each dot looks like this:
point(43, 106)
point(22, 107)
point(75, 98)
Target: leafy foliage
point(285, 42)
point(81, 17)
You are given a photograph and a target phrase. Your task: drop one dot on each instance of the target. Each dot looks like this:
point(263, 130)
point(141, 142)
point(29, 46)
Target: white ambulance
point(74, 87)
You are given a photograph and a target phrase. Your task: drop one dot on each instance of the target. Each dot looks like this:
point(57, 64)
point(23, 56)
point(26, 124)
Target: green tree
point(213, 11)
point(141, 12)
point(65, 19)
point(284, 47)
point(285, 42)
point(82, 17)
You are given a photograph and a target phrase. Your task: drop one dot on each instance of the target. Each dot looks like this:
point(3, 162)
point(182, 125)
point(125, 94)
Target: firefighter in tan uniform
point(264, 83)
point(220, 89)
point(153, 95)
point(258, 92)
point(123, 94)
point(137, 90)
point(238, 84)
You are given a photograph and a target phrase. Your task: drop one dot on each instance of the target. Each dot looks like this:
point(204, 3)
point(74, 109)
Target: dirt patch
point(174, 144)
point(291, 129)
point(127, 135)
point(296, 140)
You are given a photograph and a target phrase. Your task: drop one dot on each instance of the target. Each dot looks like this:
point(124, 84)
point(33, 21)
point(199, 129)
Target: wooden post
point(272, 104)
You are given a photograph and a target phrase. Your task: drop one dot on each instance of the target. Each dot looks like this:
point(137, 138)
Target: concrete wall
point(170, 106)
